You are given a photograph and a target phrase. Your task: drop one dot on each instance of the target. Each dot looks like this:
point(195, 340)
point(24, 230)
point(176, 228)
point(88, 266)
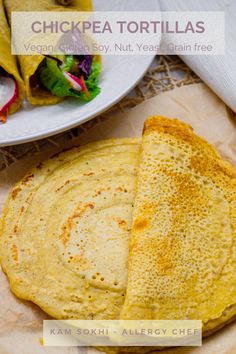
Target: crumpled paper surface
point(21, 321)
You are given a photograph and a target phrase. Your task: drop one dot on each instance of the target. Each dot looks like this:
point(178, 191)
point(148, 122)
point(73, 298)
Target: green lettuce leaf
point(52, 78)
point(92, 81)
point(68, 63)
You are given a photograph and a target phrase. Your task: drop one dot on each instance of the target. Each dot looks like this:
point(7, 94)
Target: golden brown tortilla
point(65, 230)
point(182, 258)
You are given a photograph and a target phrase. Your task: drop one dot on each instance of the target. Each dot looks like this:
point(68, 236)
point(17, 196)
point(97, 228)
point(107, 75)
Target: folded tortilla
point(182, 260)
point(7, 61)
point(30, 63)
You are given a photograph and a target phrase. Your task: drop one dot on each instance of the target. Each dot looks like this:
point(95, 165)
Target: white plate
point(120, 75)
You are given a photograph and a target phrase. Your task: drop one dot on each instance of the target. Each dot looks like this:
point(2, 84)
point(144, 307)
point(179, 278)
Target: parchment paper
point(21, 321)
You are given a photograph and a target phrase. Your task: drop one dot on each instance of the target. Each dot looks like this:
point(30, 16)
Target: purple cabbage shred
point(85, 63)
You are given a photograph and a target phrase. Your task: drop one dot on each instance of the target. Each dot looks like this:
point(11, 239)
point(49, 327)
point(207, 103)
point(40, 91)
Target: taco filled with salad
point(66, 76)
point(49, 79)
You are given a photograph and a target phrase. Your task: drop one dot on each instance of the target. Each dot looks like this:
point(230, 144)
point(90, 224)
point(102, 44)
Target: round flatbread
point(65, 229)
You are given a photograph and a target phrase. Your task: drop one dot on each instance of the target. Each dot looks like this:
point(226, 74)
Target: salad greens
point(76, 76)
point(68, 63)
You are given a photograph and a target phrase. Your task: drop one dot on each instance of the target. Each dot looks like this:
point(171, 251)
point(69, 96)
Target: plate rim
point(67, 126)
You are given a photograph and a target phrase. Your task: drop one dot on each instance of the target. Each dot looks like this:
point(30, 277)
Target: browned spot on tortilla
point(22, 209)
point(98, 192)
point(27, 179)
point(14, 253)
point(140, 224)
point(119, 189)
point(67, 182)
point(208, 166)
point(169, 126)
point(163, 256)
point(80, 209)
point(122, 223)
point(89, 173)
point(65, 236)
point(15, 192)
point(15, 229)
point(77, 257)
point(188, 192)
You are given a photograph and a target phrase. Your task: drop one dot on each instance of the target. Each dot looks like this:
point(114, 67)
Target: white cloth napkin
point(217, 71)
